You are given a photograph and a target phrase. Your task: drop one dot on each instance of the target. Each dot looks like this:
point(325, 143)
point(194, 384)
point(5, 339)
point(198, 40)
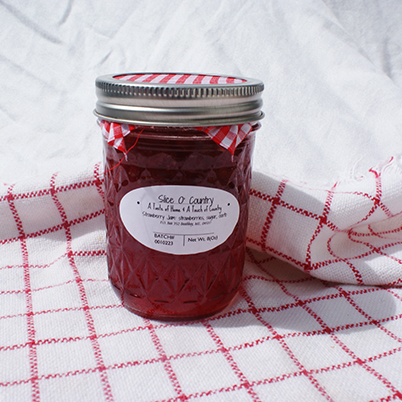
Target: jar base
point(175, 318)
point(154, 314)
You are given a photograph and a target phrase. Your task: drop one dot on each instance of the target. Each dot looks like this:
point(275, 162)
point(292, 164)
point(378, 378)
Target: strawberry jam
point(174, 285)
point(177, 155)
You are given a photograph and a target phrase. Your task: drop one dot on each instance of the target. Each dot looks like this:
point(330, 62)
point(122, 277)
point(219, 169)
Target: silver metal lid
point(178, 99)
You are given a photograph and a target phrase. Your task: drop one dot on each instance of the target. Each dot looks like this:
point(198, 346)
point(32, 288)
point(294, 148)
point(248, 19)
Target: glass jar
point(178, 156)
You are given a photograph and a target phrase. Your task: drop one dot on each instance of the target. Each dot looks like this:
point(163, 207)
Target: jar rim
point(178, 99)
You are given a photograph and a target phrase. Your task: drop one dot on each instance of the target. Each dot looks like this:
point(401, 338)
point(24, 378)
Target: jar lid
point(178, 99)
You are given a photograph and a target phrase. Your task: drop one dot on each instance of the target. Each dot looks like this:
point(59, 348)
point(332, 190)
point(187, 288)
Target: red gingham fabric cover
point(177, 78)
point(228, 137)
point(327, 326)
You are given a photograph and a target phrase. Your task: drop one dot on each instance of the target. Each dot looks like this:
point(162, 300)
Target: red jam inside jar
point(177, 152)
point(161, 285)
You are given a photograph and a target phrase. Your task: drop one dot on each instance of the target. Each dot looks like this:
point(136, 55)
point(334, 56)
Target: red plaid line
point(30, 330)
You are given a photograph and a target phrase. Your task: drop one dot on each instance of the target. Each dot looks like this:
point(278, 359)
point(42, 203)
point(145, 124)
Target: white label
point(179, 219)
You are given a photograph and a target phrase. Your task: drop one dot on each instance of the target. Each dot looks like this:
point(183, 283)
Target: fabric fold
point(350, 233)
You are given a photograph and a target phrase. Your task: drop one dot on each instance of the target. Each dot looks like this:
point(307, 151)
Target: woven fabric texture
point(350, 232)
point(287, 336)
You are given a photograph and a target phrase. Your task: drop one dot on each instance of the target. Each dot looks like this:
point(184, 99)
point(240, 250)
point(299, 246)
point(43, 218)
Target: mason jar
point(177, 170)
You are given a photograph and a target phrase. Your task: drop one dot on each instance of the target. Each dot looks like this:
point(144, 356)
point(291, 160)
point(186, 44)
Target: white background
point(332, 72)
